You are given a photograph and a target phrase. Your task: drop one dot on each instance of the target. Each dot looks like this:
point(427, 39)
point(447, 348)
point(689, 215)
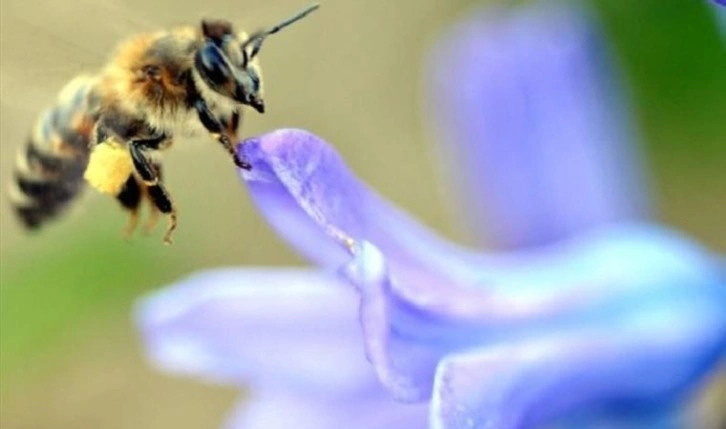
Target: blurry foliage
point(676, 61)
point(44, 295)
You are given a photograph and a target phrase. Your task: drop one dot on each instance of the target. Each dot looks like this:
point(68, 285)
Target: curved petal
point(634, 364)
point(273, 327)
point(613, 279)
point(533, 128)
point(312, 199)
point(375, 410)
point(423, 299)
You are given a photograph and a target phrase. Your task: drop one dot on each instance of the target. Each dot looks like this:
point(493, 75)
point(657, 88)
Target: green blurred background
point(70, 357)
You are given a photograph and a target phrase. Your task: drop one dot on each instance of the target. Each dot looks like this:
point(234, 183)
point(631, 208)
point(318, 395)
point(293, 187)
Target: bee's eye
point(212, 65)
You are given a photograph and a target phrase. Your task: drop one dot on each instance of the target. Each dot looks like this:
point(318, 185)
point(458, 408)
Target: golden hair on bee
point(104, 129)
point(146, 72)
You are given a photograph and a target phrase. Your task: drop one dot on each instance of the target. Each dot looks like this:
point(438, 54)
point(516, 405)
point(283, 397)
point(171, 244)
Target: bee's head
point(228, 63)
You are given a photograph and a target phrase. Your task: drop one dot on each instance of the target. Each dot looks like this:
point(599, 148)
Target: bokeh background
point(70, 357)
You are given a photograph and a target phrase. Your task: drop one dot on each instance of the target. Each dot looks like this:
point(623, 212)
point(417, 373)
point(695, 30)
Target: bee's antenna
point(256, 39)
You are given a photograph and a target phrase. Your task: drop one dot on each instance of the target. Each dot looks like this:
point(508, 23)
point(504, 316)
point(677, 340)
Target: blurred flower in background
point(538, 102)
point(592, 317)
point(719, 9)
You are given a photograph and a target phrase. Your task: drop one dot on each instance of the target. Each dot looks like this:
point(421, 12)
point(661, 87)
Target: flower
point(596, 319)
point(291, 334)
point(528, 93)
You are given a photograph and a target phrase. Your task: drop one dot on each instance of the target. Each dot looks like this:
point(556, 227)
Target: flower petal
point(312, 199)
point(277, 410)
point(273, 327)
point(533, 126)
point(424, 299)
point(604, 281)
point(632, 370)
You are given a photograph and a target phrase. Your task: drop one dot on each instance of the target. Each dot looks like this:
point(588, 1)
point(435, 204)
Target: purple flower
point(291, 334)
point(603, 320)
point(529, 92)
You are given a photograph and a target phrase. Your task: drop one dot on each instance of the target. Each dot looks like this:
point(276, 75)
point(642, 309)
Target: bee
point(106, 129)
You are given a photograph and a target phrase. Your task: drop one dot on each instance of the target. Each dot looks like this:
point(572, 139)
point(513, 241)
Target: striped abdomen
point(49, 168)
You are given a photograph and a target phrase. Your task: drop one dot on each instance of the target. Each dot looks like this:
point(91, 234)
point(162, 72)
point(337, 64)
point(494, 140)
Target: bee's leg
point(231, 125)
point(161, 199)
point(157, 193)
point(130, 199)
point(216, 129)
point(154, 213)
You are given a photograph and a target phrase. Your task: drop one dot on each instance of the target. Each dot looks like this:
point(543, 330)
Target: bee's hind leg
point(130, 199)
point(154, 211)
point(161, 200)
point(153, 218)
point(157, 193)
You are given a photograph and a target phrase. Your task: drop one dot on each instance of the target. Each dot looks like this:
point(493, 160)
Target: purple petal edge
point(278, 410)
point(310, 196)
point(263, 327)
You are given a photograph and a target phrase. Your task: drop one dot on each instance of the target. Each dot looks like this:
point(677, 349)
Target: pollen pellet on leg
point(109, 167)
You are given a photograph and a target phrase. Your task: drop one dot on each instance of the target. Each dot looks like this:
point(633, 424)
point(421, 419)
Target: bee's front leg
point(156, 190)
point(231, 124)
point(216, 129)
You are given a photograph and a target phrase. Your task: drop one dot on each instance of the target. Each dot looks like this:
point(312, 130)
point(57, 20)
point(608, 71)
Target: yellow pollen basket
point(109, 166)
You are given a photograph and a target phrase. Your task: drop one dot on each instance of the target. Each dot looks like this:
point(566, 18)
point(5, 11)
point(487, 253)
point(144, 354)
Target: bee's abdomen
point(49, 168)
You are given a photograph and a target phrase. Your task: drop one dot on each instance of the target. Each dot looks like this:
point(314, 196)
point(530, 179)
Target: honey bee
point(106, 128)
